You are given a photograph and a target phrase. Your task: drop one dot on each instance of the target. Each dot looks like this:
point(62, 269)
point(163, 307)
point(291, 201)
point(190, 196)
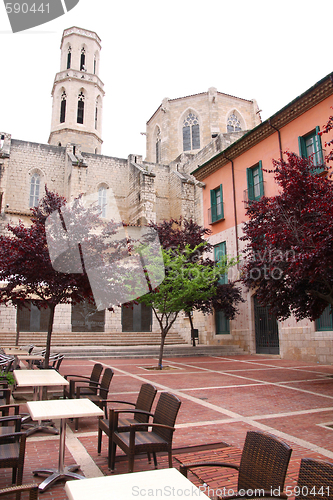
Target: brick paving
point(222, 398)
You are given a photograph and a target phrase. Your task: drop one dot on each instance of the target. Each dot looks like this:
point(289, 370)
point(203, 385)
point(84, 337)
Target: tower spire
point(78, 92)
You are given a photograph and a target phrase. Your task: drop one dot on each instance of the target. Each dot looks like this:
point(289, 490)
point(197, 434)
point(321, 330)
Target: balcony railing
point(254, 193)
point(317, 159)
point(216, 213)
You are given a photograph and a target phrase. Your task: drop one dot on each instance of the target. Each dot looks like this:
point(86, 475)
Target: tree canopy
point(191, 277)
point(289, 252)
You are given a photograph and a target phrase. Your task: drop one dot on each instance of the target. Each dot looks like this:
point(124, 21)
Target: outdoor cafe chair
point(12, 452)
point(315, 480)
point(9, 493)
point(140, 439)
point(263, 466)
point(102, 392)
point(138, 414)
point(69, 391)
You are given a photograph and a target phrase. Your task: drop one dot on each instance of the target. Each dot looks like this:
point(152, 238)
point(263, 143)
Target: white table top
point(38, 378)
point(163, 483)
point(63, 408)
point(14, 351)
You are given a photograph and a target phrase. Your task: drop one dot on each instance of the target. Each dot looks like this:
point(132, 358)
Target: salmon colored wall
point(265, 151)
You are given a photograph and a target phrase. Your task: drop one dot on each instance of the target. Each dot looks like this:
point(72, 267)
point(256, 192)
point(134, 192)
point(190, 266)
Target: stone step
point(148, 351)
point(88, 339)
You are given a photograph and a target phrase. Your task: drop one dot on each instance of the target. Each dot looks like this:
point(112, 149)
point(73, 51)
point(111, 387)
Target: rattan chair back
point(145, 401)
point(315, 480)
point(264, 462)
point(166, 413)
point(105, 383)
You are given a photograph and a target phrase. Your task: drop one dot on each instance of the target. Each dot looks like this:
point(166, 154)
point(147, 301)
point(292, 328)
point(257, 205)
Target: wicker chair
point(69, 391)
point(263, 464)
point(102, 392)
point(16, 490)
point(12, 451)
point(140, 413)
point(140, 440)
point(315, 480)
point(5, 393)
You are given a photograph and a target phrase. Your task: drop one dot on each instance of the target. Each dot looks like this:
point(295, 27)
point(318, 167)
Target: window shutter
point(213, 205)
point(250, 186)
point(302, 147)
point(261, 179)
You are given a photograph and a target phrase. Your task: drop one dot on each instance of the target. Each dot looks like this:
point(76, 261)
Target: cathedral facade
point(182, 134)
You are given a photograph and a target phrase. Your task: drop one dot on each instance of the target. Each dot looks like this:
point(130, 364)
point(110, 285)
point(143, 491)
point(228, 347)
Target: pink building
point(235, 176)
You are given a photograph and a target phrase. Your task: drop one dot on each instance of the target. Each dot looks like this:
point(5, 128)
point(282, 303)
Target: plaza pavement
point(222, 398)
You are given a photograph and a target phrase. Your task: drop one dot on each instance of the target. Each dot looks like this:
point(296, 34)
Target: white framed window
point(102, 200)
point(34, 190)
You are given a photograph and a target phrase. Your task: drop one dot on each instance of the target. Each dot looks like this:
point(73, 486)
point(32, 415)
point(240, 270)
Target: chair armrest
point(139, 426)
point(116, 401)
point(114, 414)
point(76, 376)
point(184, 467)
point(3, 409)
point(16, 419)
point(32, 488)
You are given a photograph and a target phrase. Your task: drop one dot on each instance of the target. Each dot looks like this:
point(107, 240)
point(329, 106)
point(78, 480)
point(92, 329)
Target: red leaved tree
point(26, 271)
point(289, 254)
point(176, 234)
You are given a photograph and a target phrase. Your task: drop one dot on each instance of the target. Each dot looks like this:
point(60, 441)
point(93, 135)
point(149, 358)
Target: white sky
point(268, 50)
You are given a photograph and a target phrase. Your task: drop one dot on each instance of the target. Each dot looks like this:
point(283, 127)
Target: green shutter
point(261, 179)
point(221, 215)
point(250, 186)
point(213, 205)
point(301, 147)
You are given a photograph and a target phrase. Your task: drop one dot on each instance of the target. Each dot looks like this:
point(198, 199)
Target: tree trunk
point(49, 334)
point(163, 335)
point(17, 325)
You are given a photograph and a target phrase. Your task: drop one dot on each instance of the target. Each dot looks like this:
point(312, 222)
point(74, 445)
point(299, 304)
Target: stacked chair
point(138, 414)
point(151, 437)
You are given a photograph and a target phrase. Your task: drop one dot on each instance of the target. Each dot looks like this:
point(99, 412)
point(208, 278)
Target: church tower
point(78, 93)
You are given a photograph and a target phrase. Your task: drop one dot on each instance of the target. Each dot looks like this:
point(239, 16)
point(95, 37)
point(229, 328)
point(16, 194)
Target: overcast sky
point(268, 50)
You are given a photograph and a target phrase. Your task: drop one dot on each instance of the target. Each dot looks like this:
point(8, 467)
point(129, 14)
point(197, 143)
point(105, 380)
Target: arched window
point(102, 200)
point(63, 107)
point(34, 190)
point(191, 133)
point(69, 57)
point(158, 146)
point(80, 108)
point(83, 59)
point(95, 65)
point(233, 123)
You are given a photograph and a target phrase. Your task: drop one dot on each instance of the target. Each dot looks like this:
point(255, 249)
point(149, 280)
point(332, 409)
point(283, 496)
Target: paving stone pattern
point(222, 398)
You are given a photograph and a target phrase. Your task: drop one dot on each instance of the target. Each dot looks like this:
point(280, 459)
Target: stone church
point(182, 134)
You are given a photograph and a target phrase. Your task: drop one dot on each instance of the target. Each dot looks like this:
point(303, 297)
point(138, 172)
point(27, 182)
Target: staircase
point(118, 345)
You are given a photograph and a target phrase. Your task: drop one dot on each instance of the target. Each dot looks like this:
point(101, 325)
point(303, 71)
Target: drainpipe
point(279, 135)
point(234, 197)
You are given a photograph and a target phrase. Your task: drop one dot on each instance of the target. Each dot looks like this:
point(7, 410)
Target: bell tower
point(78, 93)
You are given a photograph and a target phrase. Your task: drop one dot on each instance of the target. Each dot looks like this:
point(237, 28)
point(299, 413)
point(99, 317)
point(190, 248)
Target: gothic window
point(158, 146)
point(233, 124)
point(102, 202)
point(80, 108)
point(83, 59)
point(191, 133)
point(95, 65)
point(34, 190)
point(69, 57)
point(63, 107)
point(96, 114)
